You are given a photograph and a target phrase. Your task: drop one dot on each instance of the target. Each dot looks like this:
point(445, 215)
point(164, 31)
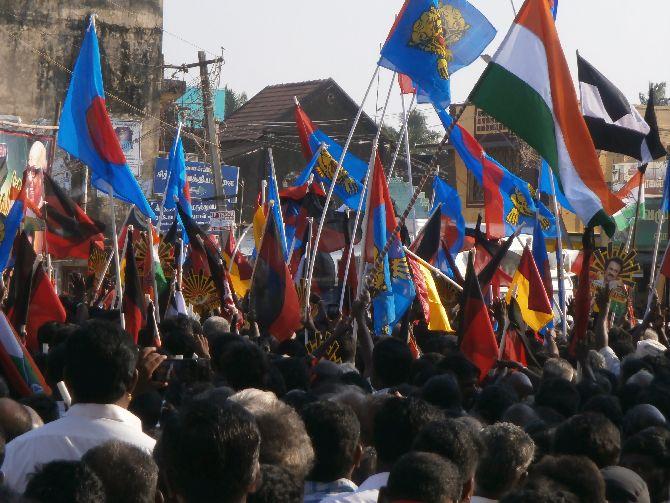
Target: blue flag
point(453, 223)
point(665, 201)
point(273, 195)
point(432, 39)
point(12, 224)
point(86, 132)
point(177, 187)
point(323, 165)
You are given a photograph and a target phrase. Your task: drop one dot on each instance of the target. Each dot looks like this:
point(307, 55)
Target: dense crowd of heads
point(241, 417)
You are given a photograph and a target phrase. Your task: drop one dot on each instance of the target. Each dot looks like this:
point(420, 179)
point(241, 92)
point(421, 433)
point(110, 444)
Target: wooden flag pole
point(340, 162)
point(403, 131)
point(117, 260)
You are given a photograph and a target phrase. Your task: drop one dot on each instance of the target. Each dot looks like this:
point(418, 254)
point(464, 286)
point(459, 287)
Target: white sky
point(278, 41)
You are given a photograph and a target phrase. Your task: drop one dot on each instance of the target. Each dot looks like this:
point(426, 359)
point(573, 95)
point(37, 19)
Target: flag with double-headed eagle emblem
point(392, 286)
point(432, 39)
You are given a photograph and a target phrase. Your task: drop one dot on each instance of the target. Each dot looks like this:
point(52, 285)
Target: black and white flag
point(615, 125)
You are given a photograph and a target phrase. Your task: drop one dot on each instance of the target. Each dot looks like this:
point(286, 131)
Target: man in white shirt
point(100, 374)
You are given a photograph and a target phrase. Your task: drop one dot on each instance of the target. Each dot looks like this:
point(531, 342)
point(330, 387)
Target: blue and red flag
point(322, 165)
point(508, 201)
point(11, 224)
point(86, 132)
point(273, 195)
point(392, 286)
point(542, 260)
point(432, 39)
point(177, 186)
point(453, 223)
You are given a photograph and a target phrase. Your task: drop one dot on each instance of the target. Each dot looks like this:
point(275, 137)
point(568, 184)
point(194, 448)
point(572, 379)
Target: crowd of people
point(220, 415)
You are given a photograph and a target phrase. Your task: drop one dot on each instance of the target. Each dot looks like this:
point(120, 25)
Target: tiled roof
point(268, 105)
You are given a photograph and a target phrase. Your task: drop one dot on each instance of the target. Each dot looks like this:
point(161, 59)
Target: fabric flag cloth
point(259, 224)
point(393, 289)
point(488, 259)
point(546, 174)
point(18, 297)
point(23, 375)
point(44, 306)
point(406, 84)
point(427, 242)
point(10, 228)
point(508, 201)
point(176, 305)
point(541, 259)
point(512, 348)
point(528, 289)
point(476, 337)
point(665, 198)
point(615, 125)
point(582, 299)
point(426, 291)
point(153, 270)
point(431, 39)
point(134, 306)
point(177, 186)
point(273, 297)
point(69, 231)
point(453, 223)
point(348, 186)
point(629, 195)
point(240, 272)
point(273, 195)
point(527, 86)
point(653, 142)
point(86, 131)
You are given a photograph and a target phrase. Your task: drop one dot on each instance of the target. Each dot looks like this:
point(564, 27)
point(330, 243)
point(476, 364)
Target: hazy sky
point(278, 41)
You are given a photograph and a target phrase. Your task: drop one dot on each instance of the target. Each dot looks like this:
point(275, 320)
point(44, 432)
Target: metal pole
point(403, 130)
point(408, 156)
point(341, 161)
point(433, 269)
point(559, 261)
point(640, 190)
point(653, 279)
point(117, 261)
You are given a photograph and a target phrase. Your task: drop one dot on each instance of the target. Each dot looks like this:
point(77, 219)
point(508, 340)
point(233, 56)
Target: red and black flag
point(476, 337)
point(489, 258)
point(69, 231)
point(273, 297)
point(44, 306)
point(427, 243)
point(18, 297)
point(134, 306)
point(583, 295)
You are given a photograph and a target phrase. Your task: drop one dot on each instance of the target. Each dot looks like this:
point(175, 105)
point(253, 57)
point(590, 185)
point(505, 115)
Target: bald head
point(15, 419)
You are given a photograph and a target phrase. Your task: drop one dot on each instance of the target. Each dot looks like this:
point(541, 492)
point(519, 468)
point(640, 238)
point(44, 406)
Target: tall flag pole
point(408, 157)
point(406, 87)
point(336, 174)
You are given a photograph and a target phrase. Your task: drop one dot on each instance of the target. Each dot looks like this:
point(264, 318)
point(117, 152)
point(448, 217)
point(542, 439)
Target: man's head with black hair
point(492, 403)
point(65, 482)
point(442, 391)
point(547, 495)
point(15, 419)
point(647, 453)
point(178, 335)
point(451, 440)
point(295, 372)
point(100, 361)
point(466, 373)
point(335, 433)
point(44, 405)
point(555, 368)
point(575, 474)
point(391, 363)
point(558, 394)
point(245, 365)
point(209, 452)
point(397, 421)
point(422, 477)
point(520, 414)
point(607, 405)
point(277, 484)
point(591, 435)
point(127, 473)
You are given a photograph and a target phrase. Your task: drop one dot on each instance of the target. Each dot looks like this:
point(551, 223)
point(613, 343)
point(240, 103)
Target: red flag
point(273, 297)
point(134, 308)
point(406, 84)
point(44, 306)
point(583, 295)
point(240, 272)
point(513, 348)
point(18, 297)
point(477, 339)
point(305, 130)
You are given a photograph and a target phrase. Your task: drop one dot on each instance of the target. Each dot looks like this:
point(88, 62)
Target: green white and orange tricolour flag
point(527, 86)
point(23, 375)
point(629, 195)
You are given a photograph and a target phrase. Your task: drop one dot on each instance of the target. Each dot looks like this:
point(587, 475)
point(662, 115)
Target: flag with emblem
point(432, 39)
point(508, 201)
point(392, 289)
point(527, 86)
point(85, 130)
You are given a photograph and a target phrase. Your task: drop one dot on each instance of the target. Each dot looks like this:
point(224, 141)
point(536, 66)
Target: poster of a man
point(615, 267)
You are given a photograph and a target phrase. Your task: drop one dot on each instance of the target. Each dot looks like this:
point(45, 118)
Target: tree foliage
point(659, 89)
point(234, 100)
point(419, 133)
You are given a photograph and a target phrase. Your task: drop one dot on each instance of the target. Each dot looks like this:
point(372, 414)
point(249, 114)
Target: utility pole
point(210, 127)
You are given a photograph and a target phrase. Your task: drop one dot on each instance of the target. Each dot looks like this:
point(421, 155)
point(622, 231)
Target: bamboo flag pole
point(117, 261)
point(433, 269)
point(403, 131)
point(338, 168)
point(169, 176)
